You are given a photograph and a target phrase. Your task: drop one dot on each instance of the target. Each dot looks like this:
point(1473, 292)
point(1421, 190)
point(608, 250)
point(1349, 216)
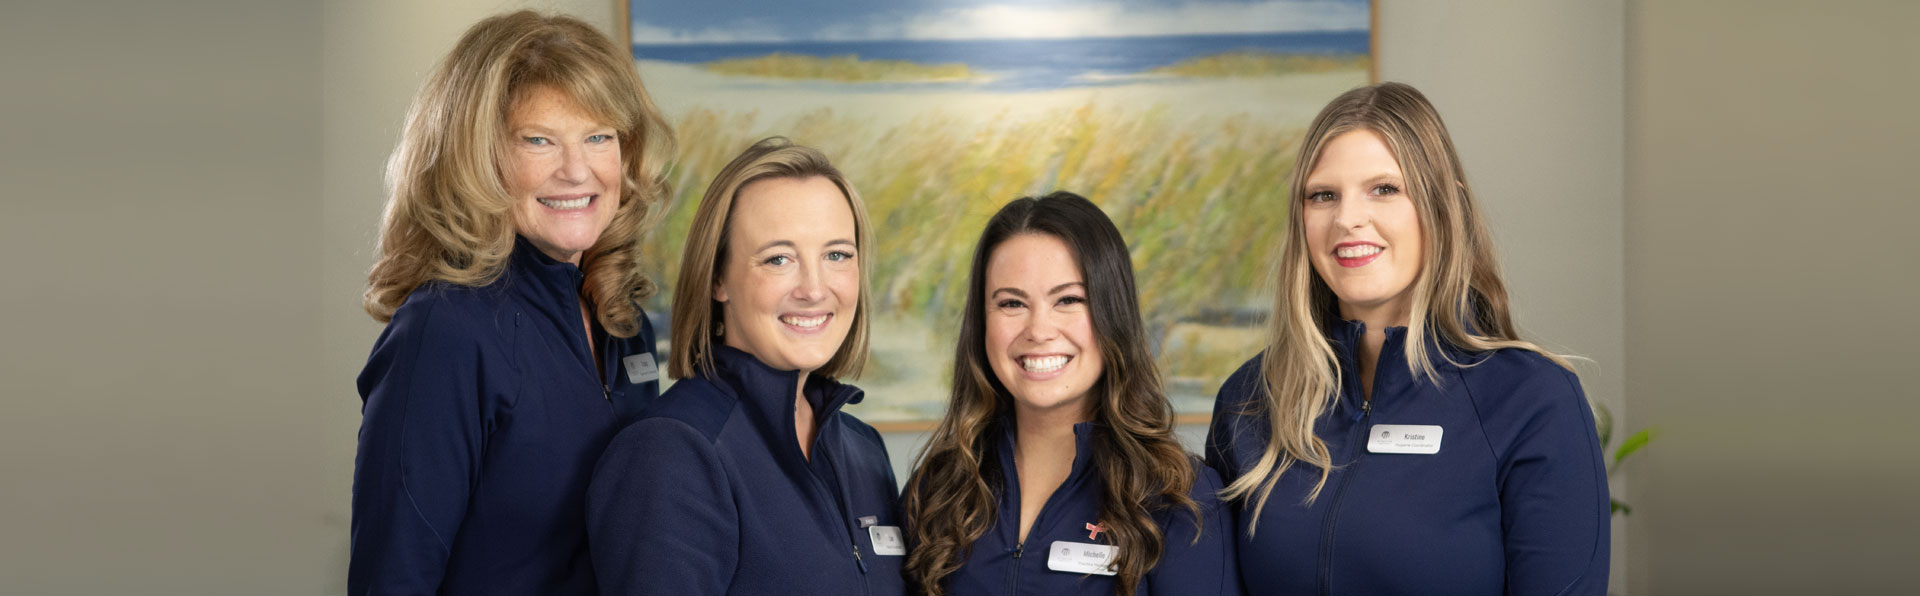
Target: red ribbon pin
point(1094, 530)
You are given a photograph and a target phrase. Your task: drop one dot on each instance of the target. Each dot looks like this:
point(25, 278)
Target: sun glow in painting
point(1180, 118)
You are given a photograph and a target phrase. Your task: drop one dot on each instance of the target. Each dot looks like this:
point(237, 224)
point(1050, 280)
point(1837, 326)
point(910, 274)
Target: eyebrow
point(790, 244)
point(1313, 184)
point(1056, 289)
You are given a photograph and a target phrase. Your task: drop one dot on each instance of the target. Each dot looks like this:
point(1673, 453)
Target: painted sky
point(680, 21)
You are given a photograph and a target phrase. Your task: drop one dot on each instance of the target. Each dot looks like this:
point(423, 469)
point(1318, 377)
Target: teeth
point(1043, 364)
point(805, 322)
point(1355, 252)
point(567, 205)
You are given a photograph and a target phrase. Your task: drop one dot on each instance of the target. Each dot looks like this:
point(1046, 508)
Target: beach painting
point(1179, 117)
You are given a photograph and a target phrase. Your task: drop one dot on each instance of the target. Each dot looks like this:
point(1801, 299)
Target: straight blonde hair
point(696, 314)
point(1458, 298)
point(449, 216)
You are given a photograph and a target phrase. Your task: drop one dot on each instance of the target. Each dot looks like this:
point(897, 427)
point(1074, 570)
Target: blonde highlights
point(951, 499)
point(696, 314)
point(448, 216)
point(1459, 300)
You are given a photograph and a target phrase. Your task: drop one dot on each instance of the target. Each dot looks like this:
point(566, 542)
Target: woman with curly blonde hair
point(1397, 436)
point(509, 278)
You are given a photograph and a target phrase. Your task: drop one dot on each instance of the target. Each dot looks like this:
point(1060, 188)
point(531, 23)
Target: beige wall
point(1532, 94)
point(1771, 283)
point(160, 360)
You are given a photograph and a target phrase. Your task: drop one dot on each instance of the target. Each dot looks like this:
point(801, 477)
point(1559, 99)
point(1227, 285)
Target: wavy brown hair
point(952, 497)
point(1458, 297)
point(448, 215)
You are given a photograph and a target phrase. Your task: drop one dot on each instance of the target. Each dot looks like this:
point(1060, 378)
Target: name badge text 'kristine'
point(1419, 439)
point(1075, 557)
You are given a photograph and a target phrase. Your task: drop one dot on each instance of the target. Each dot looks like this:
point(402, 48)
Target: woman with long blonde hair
point(509, 279)
point(1055, 469)
point(1397, 436)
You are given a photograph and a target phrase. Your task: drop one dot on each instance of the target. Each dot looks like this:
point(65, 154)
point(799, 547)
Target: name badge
point(887, 541)
point(1419, 439)
point(1075, 557)
point(641, 368)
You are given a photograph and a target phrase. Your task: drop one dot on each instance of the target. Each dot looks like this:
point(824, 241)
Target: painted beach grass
point(1202, 208)
point(1180, 123)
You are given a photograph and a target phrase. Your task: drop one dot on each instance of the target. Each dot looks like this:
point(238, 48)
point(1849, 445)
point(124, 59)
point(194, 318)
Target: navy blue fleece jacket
point(1000, 564)
point(484, 412)
point(1513, 502)
point(708, 492)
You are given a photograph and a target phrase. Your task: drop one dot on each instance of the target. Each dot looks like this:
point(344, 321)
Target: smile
point(1044, 364)
point(1356, 254)
point(568, 204)
point(806, 324)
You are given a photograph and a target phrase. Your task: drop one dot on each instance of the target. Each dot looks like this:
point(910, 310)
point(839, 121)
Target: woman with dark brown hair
point(1055, 470)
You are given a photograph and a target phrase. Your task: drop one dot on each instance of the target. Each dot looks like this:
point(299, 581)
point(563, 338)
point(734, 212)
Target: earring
point(719, 328)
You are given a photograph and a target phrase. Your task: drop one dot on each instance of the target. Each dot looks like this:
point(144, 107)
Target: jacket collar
point(767, 392)
point(545, 280)
point(1082, 450)
point(1390, 374)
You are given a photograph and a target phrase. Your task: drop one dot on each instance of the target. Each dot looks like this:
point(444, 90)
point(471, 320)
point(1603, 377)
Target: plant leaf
point(1633, 443)
point(1621, 508)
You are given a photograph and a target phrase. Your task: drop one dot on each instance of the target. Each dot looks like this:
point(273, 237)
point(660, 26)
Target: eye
point(777, 260)
point(596, 139)
point(538, 141)
point(1321, 196)
point(1070, 300)
point(1384, 189)
point(840, 256)
point(1009, 304)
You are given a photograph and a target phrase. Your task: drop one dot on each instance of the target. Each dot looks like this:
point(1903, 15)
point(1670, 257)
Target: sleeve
point(1228, 422)
point(421, 434)
point(1209, 567)
point(1553, 494)
point(661, 518)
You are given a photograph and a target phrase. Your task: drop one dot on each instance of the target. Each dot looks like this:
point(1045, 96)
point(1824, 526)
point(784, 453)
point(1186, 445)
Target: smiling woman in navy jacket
point(1397, 436)
point(746, 478)
point(1055, 470)
point(509, 278)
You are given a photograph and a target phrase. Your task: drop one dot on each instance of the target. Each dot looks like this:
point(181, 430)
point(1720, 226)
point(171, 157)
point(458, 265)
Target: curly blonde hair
point(448, 214)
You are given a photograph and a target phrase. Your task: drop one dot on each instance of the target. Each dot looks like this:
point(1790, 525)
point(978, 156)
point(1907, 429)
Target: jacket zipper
point(842, 502)
point(1013, 580)
point(1333, 509)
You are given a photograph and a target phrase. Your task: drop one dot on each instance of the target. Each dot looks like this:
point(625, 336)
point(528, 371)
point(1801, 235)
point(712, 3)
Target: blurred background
point(1712, 200)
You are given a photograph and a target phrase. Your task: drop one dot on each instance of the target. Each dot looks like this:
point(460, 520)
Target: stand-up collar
point(1391, 375)
point(1010, 472)
point(536, 273)
point(1082, 448)
point(767, 392)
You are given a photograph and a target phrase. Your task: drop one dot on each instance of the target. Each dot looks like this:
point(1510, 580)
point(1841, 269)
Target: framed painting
point(1179, 117)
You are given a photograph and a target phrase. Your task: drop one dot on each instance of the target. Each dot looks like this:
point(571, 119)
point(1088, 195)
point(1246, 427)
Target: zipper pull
point(606, 393)
point(1016, 550)
point(857, 559)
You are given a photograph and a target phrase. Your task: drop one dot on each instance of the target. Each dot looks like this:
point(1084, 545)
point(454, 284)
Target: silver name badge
point(1417, 439)
point(640, 368)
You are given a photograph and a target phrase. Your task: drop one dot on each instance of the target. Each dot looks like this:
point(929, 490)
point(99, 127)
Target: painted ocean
point(1030, 64)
